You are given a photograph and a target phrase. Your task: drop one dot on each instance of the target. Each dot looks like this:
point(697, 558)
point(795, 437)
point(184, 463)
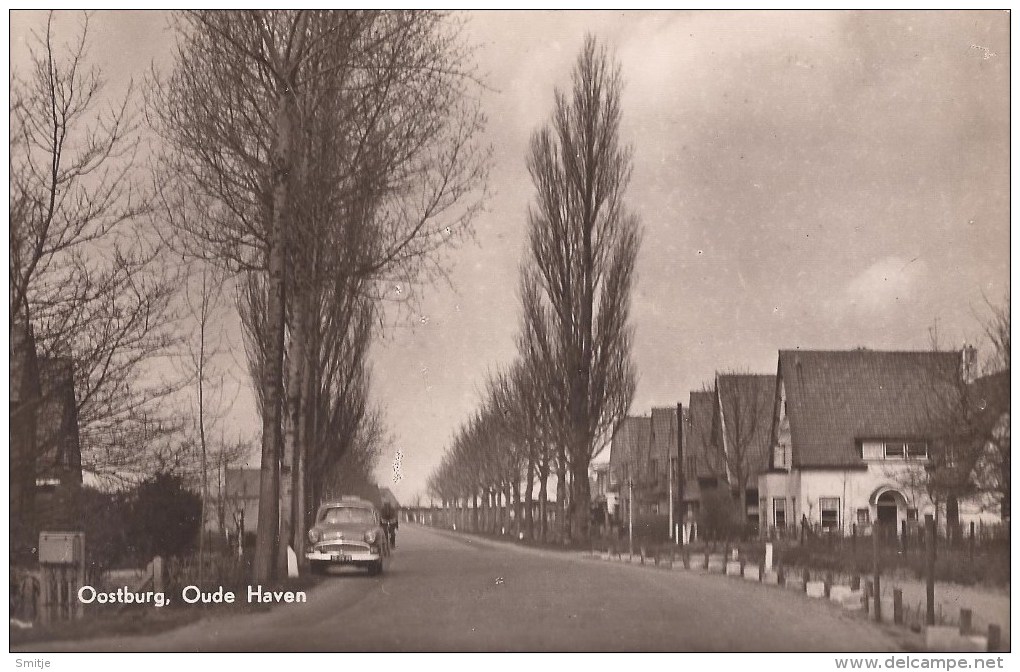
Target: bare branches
point(82, 270)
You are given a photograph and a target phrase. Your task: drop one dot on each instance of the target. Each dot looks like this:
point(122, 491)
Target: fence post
point(706, 558)
point(780, 576)
point(878, 576)
point(807, 577)
point(903, 536)
point(965, 621)
point(867, 596)
point(994, 637)
point(828, 583)
point(972, 541)
point(855, 582)
point(929, 525)
point(897, 606)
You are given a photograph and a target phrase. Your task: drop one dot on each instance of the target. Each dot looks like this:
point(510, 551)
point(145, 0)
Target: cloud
point(888, 284)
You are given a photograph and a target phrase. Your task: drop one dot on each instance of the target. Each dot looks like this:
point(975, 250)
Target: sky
point(816, 180)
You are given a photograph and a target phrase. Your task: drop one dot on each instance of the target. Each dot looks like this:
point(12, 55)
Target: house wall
point(854, 488)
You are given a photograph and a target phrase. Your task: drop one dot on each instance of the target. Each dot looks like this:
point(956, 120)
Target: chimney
point(968, 363)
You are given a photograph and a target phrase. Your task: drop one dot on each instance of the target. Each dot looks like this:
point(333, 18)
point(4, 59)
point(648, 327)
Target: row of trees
point(553, 409)
point(321, 163)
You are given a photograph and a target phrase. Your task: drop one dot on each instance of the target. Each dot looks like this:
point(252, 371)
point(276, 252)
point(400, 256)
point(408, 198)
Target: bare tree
point(84, 269)
point(350, 132)
point(740, 428)
point(583, 245)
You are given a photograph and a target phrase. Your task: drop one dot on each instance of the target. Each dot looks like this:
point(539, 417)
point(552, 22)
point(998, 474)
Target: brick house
point(851, 434)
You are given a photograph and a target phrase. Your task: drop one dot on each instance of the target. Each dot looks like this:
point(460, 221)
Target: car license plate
point(340, 557)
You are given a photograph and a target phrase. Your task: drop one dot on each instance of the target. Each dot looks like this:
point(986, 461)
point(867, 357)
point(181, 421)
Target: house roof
point(746, 400)
point(629, 446)
point(24, 382)
point(835, 399)
point(57, 435)
point(698, 432)
point(242, 483)
point(663, 434)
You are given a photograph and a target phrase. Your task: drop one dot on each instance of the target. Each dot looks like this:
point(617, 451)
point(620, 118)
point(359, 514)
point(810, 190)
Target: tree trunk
point(529, 493)
point(580, 503)
point(562, 524)
point(289, 513)
point(268, 530)
point(543, 502)
point(518, 525)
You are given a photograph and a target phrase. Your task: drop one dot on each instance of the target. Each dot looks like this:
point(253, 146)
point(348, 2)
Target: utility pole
point(679, 464)
point(630, 515)
point(669, 468)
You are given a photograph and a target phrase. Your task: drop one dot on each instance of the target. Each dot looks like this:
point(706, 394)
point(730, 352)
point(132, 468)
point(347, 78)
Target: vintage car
point(347, 531)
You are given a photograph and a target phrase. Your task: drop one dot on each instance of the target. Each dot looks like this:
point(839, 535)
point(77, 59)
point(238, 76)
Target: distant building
point(241, 500)
point(58, 474)
point(45, 450)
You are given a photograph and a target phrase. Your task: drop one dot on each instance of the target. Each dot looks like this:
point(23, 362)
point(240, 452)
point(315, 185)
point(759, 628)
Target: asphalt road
point(445, 592)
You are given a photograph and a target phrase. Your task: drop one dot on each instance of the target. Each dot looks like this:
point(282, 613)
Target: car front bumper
point(343, 558)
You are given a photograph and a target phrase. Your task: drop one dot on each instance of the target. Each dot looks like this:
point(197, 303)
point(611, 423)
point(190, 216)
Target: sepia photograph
point(573, 331)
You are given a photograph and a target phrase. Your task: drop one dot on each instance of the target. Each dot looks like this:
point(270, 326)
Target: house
point(663, 451)
point(628, 453)
point(700, 471)
point(24, 402)
point(850, 437)
point(241, 500)
point(45, 450)
point(58, 473)
point(741, 424)
point(603, 498)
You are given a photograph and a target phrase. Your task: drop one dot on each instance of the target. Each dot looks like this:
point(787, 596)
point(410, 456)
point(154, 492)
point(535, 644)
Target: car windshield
point(342, 515)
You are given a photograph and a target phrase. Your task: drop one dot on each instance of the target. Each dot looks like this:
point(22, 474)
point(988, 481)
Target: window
point(779, 511)
point(873, 450)
point(894, 451)
point(829, 508)
point(912, 515)
point(917, 451)
point(863, 516)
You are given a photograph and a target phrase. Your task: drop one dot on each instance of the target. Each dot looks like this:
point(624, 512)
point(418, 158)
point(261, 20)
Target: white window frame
point(776, 510)
point(822, 509)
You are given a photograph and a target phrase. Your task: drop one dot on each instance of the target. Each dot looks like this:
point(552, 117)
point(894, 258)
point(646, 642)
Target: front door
point(887, 514)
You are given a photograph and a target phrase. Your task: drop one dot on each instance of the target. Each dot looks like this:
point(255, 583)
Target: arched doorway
point(887, 509)
point(890, 508)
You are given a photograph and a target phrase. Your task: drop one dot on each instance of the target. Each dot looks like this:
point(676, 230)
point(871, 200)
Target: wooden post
point(828, 584)
point(965, 621)
point(761, 572)
point(807, 577)
point(929, 533)
point(855, 582)
point(867, 596)
point(903, 537)
point(897, 606)
point(994, 637)
point(706, 558)
point(878, 576)
point(780, 576)
point(686, 554)
point(972, 541)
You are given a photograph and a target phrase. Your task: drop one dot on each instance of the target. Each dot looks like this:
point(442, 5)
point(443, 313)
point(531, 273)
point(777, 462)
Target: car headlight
point(314, 535)
point(370, 536)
